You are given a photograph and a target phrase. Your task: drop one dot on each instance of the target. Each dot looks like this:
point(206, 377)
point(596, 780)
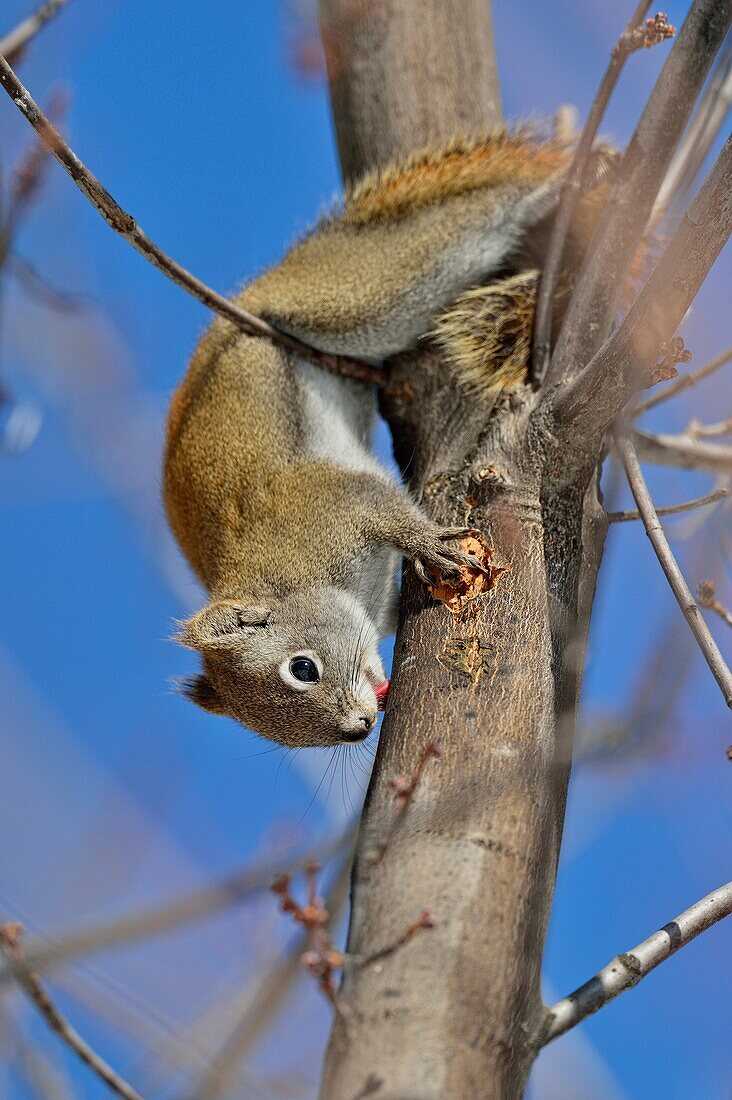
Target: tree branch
point(679, 587)
point(682, 451)
point(376, 125)
point(672, 509)
point(266, 999)
point(13, 43)
point(587, 406)
point(646, 161)
point(698, 139)
point(31, 986)
point(159, 919)
point(697, 430)
point(124, 224)
point(626, 970)
point(626, 44)
point(682, 384)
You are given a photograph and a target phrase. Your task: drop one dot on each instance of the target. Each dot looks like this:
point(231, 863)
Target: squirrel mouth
point(381, 691)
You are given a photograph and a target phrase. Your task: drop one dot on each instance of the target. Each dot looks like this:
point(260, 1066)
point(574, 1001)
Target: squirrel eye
point(305, 670)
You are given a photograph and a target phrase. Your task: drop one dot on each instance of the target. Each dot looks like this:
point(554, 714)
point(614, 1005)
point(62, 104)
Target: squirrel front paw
point(447, 561)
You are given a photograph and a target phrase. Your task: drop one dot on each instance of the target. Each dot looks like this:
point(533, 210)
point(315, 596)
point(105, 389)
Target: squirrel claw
point(447, 533)
point(472, 561)
point(435, 558)
point(421, 572)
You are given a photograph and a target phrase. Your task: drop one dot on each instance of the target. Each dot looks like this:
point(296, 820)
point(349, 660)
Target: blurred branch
point(587, 405)
point(29, 982)
point(697, 430)
point(265, 1000)
point(699, 137)
point(672, 509)
point(124, 224)
point(29, 175)
point(572, 189)
point(41, 1076)
point(160, 919)
point(13, 43)
point(37, 286)
point(623, 222)
point(626, 970)
point(682, 451)
point(658, 687)
point(675, 578)
point(682, 384)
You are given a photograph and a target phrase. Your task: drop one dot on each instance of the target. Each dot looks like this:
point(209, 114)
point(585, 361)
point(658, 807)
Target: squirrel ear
point(219, 624)
point(201, 691)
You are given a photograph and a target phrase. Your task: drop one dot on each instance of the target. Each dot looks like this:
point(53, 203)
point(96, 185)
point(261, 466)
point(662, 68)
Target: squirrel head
point(302, 670)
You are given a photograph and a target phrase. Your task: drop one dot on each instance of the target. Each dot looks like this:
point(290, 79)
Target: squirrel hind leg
point(485, 335)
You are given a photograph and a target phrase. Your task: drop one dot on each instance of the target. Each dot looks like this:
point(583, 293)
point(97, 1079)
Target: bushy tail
point(486, 334)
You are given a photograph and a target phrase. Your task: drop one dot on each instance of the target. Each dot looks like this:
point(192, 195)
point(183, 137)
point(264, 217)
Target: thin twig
point(324, 959)
point(683, 452)
point(159, 919)
point(43, 1077)
point(707, 597)
point(423, 922)
point(672, 509)
point(404, 788)
point(586, 407)
point(30, 983)
point(13, 43)
point(124, 224)
point(682, 384)
point(697, 430)
point(679, 587)
point(626, 970)
point(623, 222)
point(571, 192)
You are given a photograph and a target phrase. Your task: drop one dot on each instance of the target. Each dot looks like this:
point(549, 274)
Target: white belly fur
point(338, 419)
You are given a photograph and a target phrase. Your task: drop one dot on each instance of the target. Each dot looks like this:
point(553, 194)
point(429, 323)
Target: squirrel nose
point(361, 728)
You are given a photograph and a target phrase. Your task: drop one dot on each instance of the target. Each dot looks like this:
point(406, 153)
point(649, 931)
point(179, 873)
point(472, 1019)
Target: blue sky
point(115, 790)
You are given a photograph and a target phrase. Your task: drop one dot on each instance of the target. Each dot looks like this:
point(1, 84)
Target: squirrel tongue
point(381, 691)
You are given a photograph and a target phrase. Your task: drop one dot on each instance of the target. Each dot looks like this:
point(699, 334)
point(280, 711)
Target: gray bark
point(455, 1012)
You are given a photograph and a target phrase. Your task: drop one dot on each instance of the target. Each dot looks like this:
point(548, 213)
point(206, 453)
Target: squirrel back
point(409, 240)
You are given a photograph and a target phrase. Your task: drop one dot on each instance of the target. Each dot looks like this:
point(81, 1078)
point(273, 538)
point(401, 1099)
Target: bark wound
point(458, 592)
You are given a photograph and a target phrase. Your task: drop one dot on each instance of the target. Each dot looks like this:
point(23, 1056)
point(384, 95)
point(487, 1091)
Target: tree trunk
point(403, 75)
point(456, 1012)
